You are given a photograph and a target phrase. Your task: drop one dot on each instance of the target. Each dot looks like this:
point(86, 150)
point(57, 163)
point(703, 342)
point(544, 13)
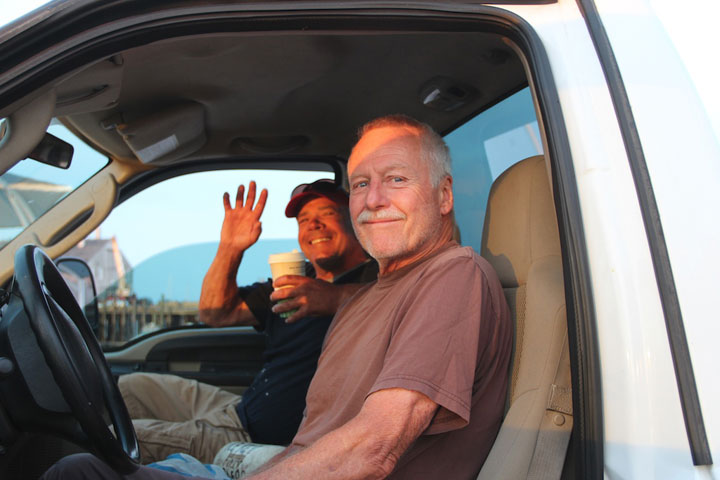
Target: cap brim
point(298, 201)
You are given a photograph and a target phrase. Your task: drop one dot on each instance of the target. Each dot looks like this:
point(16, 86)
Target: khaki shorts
point(172, 414)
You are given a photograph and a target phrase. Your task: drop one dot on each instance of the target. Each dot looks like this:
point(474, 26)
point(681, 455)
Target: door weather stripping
point(694, 424)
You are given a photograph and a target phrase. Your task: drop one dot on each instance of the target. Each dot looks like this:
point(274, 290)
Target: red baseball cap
point(305, 192)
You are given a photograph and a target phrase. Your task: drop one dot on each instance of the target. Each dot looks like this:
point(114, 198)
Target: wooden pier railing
point(122, 321)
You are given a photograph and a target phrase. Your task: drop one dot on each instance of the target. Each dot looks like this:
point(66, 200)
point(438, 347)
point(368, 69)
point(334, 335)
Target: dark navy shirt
point(272, 407)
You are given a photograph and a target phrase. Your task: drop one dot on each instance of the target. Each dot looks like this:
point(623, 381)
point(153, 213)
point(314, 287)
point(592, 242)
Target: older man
point(412, 379)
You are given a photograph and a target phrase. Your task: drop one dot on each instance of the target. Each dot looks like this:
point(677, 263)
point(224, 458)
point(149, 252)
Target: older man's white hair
point(433, 147)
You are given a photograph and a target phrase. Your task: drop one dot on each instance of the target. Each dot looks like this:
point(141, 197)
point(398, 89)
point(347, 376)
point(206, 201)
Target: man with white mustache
point(412, 379)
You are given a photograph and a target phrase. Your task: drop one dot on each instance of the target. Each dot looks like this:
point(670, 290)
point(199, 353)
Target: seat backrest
point(521, 241)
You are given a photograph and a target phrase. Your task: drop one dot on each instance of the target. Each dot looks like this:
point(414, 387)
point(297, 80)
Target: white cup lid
point(293, 256)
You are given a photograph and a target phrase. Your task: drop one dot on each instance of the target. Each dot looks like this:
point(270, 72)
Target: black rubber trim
point(692, 413)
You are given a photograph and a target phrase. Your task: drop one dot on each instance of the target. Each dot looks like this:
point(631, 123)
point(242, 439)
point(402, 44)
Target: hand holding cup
point(290, 263)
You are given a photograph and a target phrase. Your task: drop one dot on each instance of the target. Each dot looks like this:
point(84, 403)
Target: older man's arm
point(366, 447)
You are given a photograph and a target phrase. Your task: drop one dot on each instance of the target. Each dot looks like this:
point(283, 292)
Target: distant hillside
point(177, 274)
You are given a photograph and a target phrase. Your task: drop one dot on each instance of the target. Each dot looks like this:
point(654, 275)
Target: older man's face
point(396, 212)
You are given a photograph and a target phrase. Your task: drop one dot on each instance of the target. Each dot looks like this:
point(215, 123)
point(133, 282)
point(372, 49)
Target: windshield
point(30, 188)
point(13, 10)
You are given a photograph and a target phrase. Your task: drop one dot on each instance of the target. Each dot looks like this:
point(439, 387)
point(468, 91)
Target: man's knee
point(152, 395)
point(158, 438)
point(138, 381)
point(131, 383)
point(133, 391)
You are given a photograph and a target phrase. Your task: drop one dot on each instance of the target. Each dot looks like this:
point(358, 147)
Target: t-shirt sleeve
point(257, 298)
point(434, 344)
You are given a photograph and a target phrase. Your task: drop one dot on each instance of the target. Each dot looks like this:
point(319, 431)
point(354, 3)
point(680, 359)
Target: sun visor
point(166, 135)
point(93, 89)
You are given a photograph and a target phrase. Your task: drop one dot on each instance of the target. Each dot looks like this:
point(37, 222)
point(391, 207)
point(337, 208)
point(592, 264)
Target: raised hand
point(241, 227)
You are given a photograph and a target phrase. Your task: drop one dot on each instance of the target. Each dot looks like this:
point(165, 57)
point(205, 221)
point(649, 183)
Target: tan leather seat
point(520, 239)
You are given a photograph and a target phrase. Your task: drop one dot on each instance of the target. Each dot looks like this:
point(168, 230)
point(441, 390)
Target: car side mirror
point(79, 278)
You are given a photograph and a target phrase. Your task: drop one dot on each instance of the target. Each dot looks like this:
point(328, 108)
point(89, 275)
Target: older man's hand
point(311, 297)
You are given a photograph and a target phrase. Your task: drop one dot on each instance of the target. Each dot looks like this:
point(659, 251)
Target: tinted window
point(482, 149)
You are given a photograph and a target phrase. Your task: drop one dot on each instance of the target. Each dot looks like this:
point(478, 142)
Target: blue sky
point(12, 10)
point(188, 210)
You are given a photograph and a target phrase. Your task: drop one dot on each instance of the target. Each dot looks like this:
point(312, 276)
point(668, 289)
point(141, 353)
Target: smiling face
point(398, 215)
point(326, 238)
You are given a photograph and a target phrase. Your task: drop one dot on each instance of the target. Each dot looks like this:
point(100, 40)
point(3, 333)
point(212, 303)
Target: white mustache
point(368, 216)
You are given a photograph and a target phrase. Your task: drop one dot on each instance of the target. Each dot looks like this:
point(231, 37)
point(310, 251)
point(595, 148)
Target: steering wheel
point(79, 383)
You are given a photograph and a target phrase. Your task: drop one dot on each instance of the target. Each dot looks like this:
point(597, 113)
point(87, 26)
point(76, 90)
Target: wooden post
point(134, 317)
point(122, 331)
point(113, 324)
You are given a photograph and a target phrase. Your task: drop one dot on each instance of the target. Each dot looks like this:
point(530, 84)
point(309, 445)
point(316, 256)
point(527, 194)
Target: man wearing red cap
point(172, 414)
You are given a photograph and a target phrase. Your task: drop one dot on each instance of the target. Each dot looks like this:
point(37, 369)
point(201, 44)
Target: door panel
point(226, 357)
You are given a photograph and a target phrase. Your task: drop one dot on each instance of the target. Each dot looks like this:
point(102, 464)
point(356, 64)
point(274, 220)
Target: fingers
point(282, 294)
point(296, 316)
point(296, 305)
point(251, 195)
point(226, 201)
point(241, 201)
point(292, 280)
point(261, 203)
point(287, 305)
point(239, 196)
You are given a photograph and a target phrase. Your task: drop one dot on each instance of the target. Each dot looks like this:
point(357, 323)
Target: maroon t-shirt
point(440, 326)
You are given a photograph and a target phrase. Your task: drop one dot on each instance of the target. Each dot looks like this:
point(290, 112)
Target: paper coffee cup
point(290, 263)
point(239, 459)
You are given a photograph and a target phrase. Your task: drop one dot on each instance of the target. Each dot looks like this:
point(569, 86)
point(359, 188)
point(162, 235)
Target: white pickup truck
point(585, 140)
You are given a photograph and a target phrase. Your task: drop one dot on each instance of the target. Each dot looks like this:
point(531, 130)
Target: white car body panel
point(644, 430)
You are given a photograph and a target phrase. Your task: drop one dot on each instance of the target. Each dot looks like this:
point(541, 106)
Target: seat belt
point(556, 426)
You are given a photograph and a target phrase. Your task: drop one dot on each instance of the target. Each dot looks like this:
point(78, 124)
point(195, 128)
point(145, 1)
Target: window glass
point(30, 188)
point(14, 10)
point(150, 255)
point(481, 150)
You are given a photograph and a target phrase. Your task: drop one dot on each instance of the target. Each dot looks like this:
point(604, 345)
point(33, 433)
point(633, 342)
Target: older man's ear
point(446, 195)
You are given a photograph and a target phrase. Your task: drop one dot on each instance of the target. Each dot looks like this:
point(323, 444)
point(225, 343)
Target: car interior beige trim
point(26, 128)
point(97, 196)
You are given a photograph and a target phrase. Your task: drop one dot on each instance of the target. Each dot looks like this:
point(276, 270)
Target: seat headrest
point(520, 222)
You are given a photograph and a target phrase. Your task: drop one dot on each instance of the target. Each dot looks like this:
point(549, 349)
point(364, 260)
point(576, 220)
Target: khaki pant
point(172, 414)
